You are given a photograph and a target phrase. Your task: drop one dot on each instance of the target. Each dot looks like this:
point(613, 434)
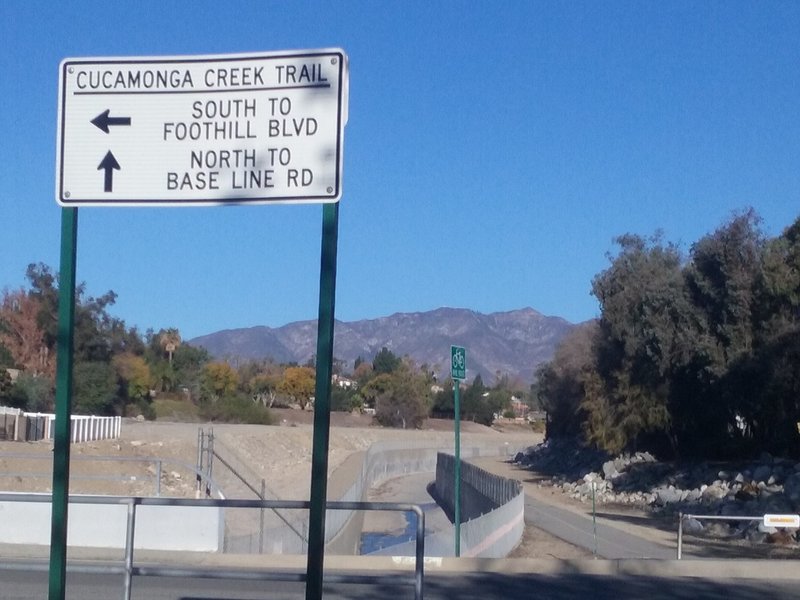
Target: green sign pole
point(66, 317)
point(458, 372)
point(457, 503)
point(322, 404)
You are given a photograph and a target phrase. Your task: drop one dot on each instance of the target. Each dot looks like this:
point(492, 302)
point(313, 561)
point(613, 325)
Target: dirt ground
point(280, 454)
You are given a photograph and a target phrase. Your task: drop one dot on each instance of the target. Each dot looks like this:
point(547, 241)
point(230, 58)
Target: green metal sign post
point(458, 371)
point(322, 405)
point(66, 317)
point(316, 163)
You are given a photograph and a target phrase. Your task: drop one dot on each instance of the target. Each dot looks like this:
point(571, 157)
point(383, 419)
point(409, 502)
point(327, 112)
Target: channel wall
point(492, 513)
point(492, 517)
point(202, 529)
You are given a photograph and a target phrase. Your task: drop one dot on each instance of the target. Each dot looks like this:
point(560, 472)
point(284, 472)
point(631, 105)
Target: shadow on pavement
point(571, 586)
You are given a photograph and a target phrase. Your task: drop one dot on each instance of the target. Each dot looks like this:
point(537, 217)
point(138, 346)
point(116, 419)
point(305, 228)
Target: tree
point(185, 368)
point(761, 388)
point(561, 383)
point(344, 399)
point(187, 365)
point(699, 357)
point(405, 400)
point(263, 388)
point(6, 359)
point(476, 405)
point(21, 334)
point(385, 361)
point(374, 388)
point(44, 288)
point(93, 327)
point(443, 403)
point(31, 392)
point(96, 390)
point(169, 339)
point(779, 285)
point(5, 385)
point(722, 280)
point(298, 383)
point(362, 373)
point(647, 330)
point(134, 375)
point(218, 380)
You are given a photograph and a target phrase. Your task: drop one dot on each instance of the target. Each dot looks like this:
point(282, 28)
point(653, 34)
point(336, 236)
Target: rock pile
point(770, 485)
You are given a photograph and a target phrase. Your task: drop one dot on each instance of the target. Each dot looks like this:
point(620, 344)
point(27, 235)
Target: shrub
point(236, 409)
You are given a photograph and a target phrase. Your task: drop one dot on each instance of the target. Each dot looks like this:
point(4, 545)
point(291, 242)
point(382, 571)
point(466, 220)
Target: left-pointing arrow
point(108, 164)
point(102, 121)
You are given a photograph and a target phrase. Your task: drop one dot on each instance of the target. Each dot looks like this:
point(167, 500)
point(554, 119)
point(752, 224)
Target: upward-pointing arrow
point(102, 121)
point(108, 164)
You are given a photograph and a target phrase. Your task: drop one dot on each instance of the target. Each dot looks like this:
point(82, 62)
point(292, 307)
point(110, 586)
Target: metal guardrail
point(130, 569)
point(682, 516)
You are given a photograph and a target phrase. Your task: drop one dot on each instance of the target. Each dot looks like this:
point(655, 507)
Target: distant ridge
point(512, 343)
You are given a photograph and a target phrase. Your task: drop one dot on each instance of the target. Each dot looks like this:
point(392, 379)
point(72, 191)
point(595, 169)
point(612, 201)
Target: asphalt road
point(609, 542)
point(26, 585)
point(577, 529)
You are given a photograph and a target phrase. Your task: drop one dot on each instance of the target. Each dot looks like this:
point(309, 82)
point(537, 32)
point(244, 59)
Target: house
point(343, 382)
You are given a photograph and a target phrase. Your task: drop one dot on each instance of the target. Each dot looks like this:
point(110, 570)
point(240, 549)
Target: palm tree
point(169, 339)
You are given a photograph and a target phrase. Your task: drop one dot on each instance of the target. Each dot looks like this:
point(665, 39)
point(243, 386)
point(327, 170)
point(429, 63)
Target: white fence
point(32, 426)
point(9, 423)
point(83, 428)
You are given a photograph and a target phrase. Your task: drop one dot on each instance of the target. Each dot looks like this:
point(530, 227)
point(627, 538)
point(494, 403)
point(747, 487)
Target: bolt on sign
point(226, 129)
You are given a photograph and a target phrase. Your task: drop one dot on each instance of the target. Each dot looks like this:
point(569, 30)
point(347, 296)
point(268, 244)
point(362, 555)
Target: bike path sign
point(458, 362)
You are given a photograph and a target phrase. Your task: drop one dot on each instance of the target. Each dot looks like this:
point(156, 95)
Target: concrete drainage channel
point(131, 568)
point(382, 461)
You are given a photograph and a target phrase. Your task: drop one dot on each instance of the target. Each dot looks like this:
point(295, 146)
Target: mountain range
point(513, 343)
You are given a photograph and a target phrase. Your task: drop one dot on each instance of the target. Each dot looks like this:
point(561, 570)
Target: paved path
point(612, 541)
point(607, 541)
point(26, 585)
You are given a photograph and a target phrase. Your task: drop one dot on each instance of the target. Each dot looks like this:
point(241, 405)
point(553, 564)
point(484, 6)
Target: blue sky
point(493, 151)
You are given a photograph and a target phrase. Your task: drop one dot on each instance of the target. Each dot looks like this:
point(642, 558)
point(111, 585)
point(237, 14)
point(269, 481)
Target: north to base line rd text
point(252, 179)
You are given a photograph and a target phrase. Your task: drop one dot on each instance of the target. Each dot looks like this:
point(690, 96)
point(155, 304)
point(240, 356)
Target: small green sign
point(458, 362)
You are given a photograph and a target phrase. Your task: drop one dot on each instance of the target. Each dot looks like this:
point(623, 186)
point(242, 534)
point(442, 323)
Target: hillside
point(512, 343)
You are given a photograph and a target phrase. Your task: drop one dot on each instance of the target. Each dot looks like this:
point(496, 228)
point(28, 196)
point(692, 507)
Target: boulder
point(667, 495)
point(756, 536)
point(715, 491)
point(747, 492)
point(717, 529)
point(693, 495)
point(781, 537)
point(762, 473)
point(692, 526)
point(610, 470)
point(777, 504)
point(791, 488)
point(732, 509)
